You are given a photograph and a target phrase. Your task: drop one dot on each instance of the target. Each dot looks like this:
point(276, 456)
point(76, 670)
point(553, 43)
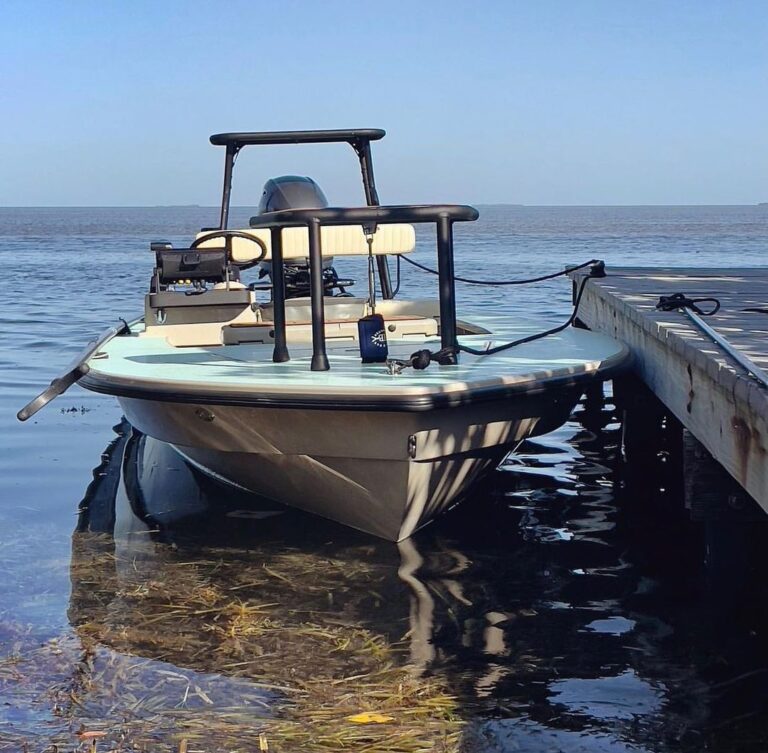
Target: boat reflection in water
point(256, 619)
point(539, 622)
point(150, 509)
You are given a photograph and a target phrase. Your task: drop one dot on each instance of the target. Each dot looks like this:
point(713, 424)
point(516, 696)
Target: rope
point(680, 301)
point(538, 336)
point(503, 282)
point(422, 358)
point(397, 287)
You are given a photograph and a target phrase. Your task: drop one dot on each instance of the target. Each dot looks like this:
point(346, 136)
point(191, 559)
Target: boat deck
point(570, 355)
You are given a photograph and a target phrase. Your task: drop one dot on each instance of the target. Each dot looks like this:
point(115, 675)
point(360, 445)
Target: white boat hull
point(387, 473)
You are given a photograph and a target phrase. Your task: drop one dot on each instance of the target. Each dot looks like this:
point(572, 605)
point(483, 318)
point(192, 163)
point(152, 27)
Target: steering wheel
point(226, 235)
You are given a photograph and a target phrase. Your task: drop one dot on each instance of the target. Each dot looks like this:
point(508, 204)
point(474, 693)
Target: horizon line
point(479, 204)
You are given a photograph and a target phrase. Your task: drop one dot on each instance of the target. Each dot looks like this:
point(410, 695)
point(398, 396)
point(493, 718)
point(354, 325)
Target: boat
point(371, 410)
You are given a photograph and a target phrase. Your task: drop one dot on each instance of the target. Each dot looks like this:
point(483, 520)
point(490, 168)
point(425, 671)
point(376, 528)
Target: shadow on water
point(569, 606)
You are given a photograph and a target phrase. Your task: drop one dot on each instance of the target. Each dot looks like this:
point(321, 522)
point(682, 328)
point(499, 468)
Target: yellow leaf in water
point(370, 717)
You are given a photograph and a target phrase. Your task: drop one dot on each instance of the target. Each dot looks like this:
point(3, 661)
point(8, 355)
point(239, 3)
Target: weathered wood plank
point(724, 408)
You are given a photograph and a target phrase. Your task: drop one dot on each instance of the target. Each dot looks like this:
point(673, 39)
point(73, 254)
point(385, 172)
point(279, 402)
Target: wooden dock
point(713, 397)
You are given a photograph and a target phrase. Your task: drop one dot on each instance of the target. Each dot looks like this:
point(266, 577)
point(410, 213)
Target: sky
point(537, 102)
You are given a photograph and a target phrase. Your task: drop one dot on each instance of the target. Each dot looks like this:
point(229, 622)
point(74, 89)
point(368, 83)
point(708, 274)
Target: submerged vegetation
point(224, 650)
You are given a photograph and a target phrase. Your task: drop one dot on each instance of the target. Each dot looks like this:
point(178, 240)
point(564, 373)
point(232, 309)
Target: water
point(570, 605)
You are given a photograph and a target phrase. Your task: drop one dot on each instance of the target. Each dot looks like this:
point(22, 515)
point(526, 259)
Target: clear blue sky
point(537, 102)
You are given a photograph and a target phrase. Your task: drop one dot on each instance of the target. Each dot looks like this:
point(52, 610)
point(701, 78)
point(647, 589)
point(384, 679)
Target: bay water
point(569, 605)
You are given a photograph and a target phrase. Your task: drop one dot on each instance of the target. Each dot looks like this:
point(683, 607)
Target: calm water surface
point(571, 605)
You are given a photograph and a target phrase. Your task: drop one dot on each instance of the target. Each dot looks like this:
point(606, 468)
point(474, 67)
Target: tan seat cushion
point(336, 240)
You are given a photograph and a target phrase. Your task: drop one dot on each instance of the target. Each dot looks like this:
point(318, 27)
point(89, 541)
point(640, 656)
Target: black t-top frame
point(358, 138)
point(298, 137)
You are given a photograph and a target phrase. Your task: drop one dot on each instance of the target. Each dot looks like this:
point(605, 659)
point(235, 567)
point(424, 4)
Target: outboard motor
point(291, 192)
point(297, 192)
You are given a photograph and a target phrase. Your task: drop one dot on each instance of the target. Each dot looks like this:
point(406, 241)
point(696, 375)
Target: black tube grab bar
point(443, 215)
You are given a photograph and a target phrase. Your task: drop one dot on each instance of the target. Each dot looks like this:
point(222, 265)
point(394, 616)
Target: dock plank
point(721, 404)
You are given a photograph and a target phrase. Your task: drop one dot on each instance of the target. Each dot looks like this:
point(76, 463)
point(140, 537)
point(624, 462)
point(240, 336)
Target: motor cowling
point(297, 192)
point(291, 192)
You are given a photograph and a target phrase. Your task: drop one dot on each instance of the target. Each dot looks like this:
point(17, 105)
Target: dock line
point(693, 312)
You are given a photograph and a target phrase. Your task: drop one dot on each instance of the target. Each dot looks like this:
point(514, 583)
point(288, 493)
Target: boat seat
point(336, 240)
